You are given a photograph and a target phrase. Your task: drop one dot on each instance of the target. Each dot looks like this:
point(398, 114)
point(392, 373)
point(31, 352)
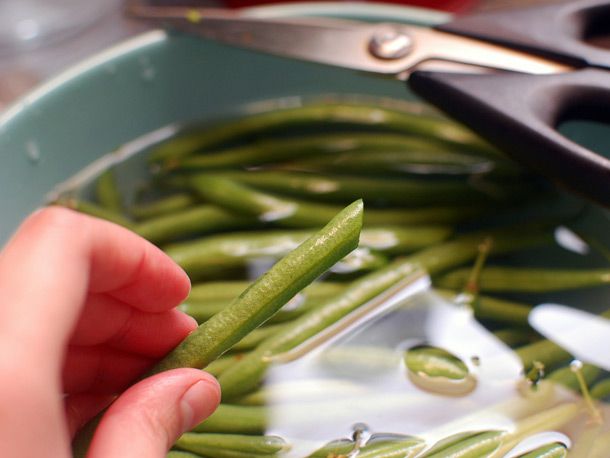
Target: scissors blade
point(383, 48)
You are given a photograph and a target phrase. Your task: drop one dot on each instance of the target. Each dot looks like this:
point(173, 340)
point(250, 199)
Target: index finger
point(58, 256)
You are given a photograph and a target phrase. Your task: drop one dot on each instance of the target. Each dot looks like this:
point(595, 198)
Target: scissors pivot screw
point(389, 42)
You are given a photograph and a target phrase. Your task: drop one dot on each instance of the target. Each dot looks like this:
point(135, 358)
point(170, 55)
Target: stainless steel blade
point(383, 48)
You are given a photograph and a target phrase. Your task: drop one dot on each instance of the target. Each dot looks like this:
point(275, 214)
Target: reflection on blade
point(583, 334)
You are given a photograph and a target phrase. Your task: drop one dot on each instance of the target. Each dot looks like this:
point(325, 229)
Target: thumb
point(147, 418)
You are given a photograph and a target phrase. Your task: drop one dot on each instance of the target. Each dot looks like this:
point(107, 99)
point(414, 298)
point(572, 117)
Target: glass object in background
point(26, 24)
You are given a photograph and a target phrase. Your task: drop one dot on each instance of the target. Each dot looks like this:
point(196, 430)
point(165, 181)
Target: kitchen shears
point(519, 73)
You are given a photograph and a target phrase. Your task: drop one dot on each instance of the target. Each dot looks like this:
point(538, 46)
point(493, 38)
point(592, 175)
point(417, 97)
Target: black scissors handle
point(563, 31)
point(520, 113)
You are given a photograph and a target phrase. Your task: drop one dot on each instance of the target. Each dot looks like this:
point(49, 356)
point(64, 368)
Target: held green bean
point(227, 290)
point(203, 311)
point(233, 196)
point(518, 279)
point(270, 292)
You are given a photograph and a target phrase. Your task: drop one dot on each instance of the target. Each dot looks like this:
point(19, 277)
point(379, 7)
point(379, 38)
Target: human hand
point(85, 308)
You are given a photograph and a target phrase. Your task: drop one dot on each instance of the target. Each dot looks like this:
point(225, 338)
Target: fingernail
point(197, 403)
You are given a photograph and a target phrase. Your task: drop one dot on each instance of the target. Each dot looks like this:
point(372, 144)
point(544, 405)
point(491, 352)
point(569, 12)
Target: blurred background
point(39, 38)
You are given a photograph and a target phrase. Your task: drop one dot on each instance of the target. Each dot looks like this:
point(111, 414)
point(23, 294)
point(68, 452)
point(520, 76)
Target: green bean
point(375, 191)
point(181, 454)
point(235, 420)
point(515, 337)
point(334, 449)
point(235, 249)
point(214, 452)
point(554, 450)
point(495, 309)
point(474, 446)
point(197, 220)
point(518, 279)
point(163, 206)
point(355, 115)
point(601, 390)
point(450, 441)
point(245, 375)
point(498, 443)
point(287, 212)
point(95, 210)
point(440, 257)
point(544, 351)
point(202, 442)
point(566, 376)
point(270, 292)
point(419, 157)
point(402, 448)
point(227, 290)
point(269, 150)
point(396, 448)
point(220, 364)
point(107, 193)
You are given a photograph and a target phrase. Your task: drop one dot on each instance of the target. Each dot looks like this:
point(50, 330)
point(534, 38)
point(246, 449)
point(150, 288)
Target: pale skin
point(86, 307)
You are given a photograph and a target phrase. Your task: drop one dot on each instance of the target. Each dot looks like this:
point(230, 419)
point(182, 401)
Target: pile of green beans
point(231, 200)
